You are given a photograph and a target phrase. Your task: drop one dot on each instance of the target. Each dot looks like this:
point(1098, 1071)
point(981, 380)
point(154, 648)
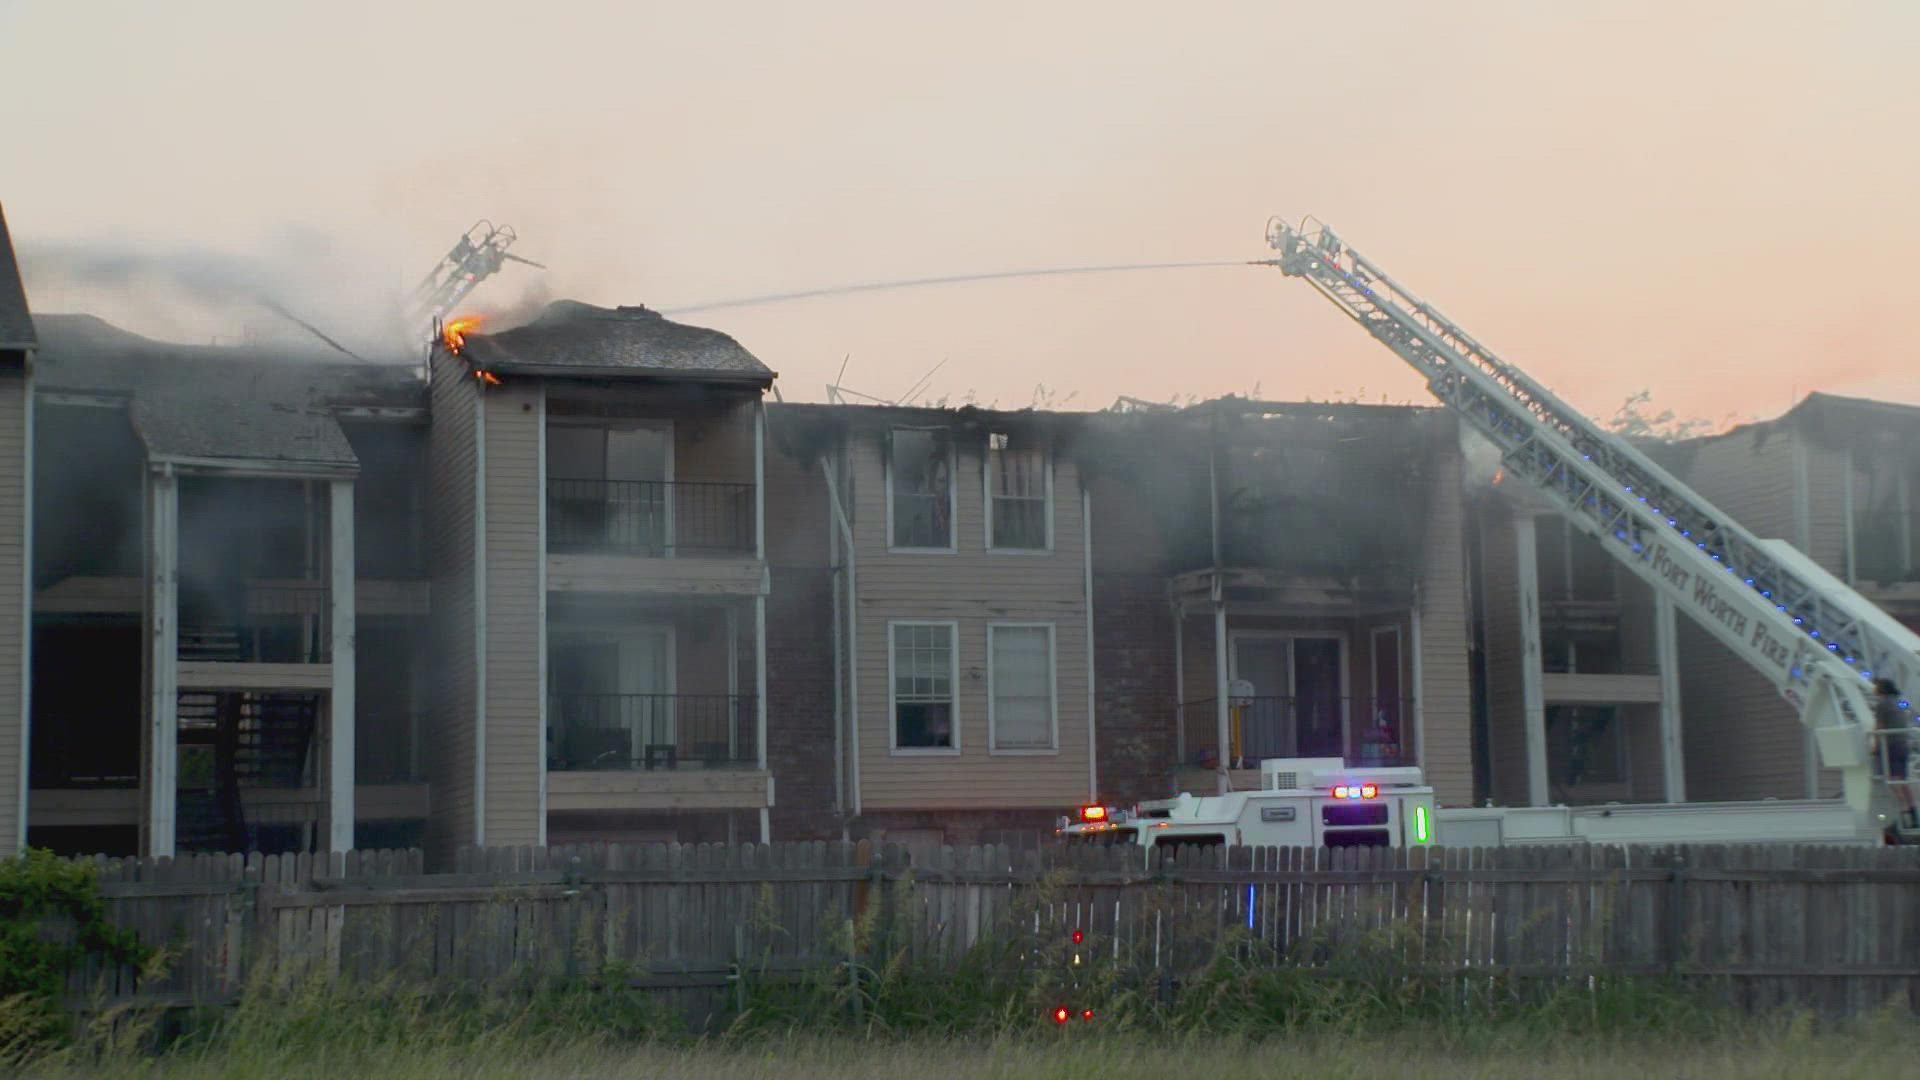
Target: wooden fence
point(1832, 929)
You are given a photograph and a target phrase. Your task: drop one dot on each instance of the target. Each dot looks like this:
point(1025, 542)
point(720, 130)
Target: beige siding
point(513, 643)
point(14, 495)
point(449, 750)
point(1505, 659)
point(1446, 690)
point(975, 588)
point(1741, 741)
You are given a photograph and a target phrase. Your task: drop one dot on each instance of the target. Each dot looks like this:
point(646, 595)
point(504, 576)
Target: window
point(920, 500)
point(1020, 709)
point(1017, 483)
point(1586, 745)
point(923, 671)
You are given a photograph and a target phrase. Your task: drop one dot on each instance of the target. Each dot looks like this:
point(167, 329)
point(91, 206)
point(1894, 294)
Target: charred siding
point(451, 465)
point(14, 402)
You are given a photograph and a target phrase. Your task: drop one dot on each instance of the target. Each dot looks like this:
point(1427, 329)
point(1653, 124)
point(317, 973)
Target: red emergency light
point(1079, 936)
point(1061, 1015)
point(1357, 791)
point(1093, 813)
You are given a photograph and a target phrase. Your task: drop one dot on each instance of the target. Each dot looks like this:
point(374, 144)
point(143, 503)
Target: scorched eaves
point(571, 338)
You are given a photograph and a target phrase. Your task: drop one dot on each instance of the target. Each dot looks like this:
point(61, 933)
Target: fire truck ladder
point(477, 256)
point(1819, 643)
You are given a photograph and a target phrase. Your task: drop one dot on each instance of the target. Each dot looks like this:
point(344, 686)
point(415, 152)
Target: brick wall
point(800, 703)
point(1134, 686)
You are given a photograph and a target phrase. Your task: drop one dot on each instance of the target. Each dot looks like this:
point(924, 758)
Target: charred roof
point(572, 338)
point(16, 325)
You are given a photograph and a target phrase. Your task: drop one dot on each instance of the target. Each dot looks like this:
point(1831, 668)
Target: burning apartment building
point(578, 579)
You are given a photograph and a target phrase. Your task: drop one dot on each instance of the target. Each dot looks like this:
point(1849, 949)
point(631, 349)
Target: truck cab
point(1301, 802)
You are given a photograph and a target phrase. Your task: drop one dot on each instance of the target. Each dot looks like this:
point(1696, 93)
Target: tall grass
point(1365, 1003)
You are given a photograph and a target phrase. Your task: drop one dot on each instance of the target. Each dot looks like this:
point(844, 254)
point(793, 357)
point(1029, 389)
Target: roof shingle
point(572, 337)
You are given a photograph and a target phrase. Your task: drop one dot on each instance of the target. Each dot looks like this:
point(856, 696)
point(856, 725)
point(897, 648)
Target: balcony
point(650, 519)
point(1360, 730)
point(597, 732)
point(614, 752)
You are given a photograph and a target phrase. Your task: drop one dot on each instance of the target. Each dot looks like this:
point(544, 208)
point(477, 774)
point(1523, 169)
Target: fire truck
point(1820, 644)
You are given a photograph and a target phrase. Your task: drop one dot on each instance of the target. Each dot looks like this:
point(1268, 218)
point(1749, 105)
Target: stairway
point(231, 741)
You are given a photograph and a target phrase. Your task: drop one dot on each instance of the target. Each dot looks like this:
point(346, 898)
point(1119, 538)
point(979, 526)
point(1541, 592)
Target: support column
point(760, 703)
point(1418, 681)
point(341, 708)
point(1666, 651)
point(1532, 695)
point(1179, 688)
point(1221, 701)
point(163, 657)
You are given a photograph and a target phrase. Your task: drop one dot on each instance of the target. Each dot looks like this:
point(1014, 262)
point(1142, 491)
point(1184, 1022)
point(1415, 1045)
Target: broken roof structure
point(222, 406)
point(16, 325)
point(572, 338)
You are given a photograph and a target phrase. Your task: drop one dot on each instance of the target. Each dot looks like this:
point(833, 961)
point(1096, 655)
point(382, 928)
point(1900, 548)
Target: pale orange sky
point(1711, 200)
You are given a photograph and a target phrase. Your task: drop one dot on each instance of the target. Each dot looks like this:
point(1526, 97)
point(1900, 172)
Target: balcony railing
point(651, 731)
point(1360, 730)
point(649, 518)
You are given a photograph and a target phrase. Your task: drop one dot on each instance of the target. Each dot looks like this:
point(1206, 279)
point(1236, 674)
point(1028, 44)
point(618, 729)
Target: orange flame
point(456, 330)
point(487, 377)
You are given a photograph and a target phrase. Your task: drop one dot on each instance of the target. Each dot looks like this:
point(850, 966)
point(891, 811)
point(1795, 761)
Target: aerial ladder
point(478, 255)
point(1821, 644)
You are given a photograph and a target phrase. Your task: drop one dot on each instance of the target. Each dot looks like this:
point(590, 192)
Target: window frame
point(893, 688)
point(1053, 693)
point(953, 490)
point(987, 498)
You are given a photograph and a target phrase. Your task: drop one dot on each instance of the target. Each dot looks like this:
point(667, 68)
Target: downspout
point(760, 609)
point(853, 634)
point(839, 672)
point(1086, 558)
point(540, 587)
point(480, 617)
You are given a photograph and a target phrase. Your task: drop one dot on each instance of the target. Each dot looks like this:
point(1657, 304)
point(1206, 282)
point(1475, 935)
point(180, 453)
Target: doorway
point(611, 698)
point(1298, 704)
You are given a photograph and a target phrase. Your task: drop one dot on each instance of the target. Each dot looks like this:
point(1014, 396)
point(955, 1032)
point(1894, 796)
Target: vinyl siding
point(1741, 741)
point(449, 748)
point(1506, 662)
point(1446, 690)
point(515, 742)
point(14, 388)
point(974, 587)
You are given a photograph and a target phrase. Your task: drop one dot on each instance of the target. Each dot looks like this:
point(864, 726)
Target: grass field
point(1752, 1055)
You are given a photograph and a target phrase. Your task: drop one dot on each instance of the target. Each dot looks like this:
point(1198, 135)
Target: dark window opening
point(1354, 814)
point(922, 465)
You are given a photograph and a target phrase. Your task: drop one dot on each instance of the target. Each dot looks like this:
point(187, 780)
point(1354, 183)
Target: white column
point(1221, 703)
point(1666, 650)
point(732, 619)
point(1532, 695)
point(1418, 679)
point(163, 705)
point(340, 706)
point(1179, 687)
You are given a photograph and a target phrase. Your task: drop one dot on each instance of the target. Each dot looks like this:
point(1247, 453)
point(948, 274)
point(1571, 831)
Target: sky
point(1711, 201)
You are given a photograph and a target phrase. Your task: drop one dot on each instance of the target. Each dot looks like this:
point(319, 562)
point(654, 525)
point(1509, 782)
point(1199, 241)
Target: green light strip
point(1420, 824)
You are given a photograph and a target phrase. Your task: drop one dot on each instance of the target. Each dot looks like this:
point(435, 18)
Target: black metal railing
point(651, 731)
point(1360, 730)
point(651, 518)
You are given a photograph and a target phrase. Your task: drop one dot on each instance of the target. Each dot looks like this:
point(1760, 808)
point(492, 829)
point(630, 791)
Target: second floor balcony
point(650, 519)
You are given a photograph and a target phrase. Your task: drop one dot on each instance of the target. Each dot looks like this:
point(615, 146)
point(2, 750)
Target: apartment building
point(1275, 580)
point(17, 342)
point(1836, 477)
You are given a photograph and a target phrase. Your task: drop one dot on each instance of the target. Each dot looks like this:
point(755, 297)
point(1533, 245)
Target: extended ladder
point(1820, 643)
point(478, 255)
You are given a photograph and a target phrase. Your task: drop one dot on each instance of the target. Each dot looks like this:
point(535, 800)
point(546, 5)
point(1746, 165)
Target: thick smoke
point(204, 295)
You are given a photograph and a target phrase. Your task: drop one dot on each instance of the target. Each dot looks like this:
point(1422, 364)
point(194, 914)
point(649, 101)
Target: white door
point(1266, 725)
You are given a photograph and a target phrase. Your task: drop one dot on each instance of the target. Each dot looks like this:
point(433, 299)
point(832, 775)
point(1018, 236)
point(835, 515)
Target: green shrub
point(51, 920)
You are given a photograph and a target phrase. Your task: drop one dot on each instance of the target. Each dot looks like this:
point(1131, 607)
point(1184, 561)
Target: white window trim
point(986, 498)
point(893, 706)
point(953, 491)
point(1053, 692)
